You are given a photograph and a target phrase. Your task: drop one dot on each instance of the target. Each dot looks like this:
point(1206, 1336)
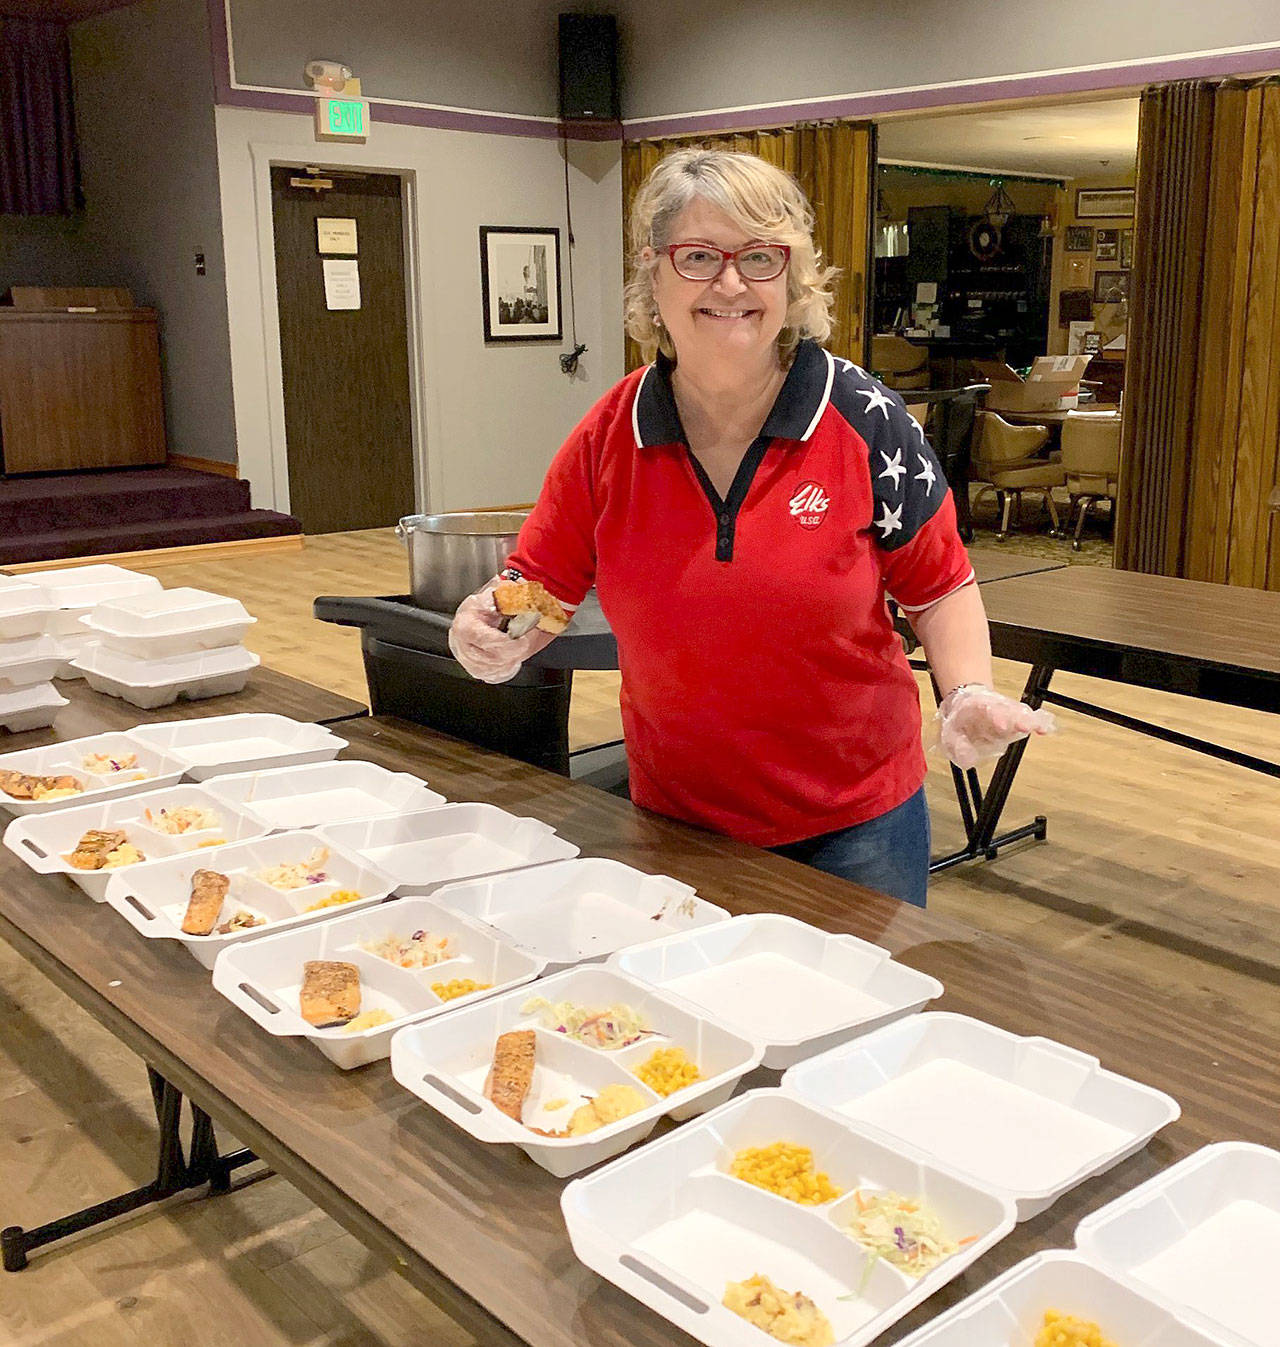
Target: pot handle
point(402, 533)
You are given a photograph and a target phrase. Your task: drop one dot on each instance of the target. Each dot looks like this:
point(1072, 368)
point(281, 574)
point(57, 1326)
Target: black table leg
point(173, 1175)
point(206, 1163)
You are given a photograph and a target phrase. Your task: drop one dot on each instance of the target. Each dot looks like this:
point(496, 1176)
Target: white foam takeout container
point(1201, 1240)
point(159, 625)
point(44, 842)
point(798, 989)
point(153, 898)
point(32, 708)
point(218, 745)
point(579, 911)
point(159, 682)
point(431, 847)
point(153, 771)
point(320, 793)
point(71, 646)
point(1009, 1312)
point(25, 611)
point(1027, 1117)
point(26, 662)
point(446, 1062)
point(84, 587)
point(262, 977)
point(671, 1226)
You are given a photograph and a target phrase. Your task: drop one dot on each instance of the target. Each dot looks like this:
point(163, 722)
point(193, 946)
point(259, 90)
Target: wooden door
point(346, 371)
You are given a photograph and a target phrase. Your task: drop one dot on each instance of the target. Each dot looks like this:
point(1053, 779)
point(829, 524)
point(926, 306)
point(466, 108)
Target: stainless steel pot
point(452, 555)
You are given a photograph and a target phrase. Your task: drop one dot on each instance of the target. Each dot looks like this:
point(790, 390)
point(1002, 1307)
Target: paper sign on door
point(336, 235)
point(341, 283)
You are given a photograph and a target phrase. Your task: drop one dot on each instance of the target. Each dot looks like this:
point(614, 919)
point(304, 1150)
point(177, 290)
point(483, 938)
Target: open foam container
point(1024, 1116)
point(798, 989)
point(32, 708)
point(219, 745)
point(671, 1226)
point(149, 683)
point(578, 911)
point(153, 898)
point(446, 1061)
point(262, 977)
point(431, 847)
point(168, 622)
point(44, 842)
point(151, 771)
point(319, 793)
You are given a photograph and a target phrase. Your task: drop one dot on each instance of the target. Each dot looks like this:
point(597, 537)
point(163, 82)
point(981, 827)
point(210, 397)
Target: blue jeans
point(889, 853)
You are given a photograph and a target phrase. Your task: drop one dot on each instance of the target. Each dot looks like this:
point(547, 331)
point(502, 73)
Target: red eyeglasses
point(703, 262)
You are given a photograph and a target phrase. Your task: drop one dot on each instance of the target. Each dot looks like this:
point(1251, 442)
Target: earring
point(657, 320)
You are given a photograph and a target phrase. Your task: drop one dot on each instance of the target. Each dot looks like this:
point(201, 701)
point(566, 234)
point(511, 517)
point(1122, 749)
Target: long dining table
point(478, 1227)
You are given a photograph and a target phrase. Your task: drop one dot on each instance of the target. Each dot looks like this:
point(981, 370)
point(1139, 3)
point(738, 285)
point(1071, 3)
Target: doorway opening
point(344, 346)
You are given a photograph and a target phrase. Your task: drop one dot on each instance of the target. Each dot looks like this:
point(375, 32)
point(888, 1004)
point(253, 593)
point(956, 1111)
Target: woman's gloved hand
point(480, 645)
point(976, 722)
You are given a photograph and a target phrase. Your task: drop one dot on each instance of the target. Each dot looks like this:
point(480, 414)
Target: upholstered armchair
point(899, 364)
point(1004, 458)
point(1091, 461)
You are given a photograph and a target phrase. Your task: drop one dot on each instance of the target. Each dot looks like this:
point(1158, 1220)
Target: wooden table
point(1217, 642)
point(994, 563)
point(479, 1227)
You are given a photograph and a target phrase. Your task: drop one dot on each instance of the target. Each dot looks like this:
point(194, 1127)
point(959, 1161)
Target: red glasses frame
point(726, 257)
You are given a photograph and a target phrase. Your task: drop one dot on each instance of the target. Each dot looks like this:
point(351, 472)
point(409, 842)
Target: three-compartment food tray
point(796, 988)
point(160, 625)
point(446, 1062)
point(153, 898)
point(581, 910)
point(428, 848)
point(26, 611)
point(107, 767)
point(45, 841)
point(28, 661)
point(320, 793)
point(672, 1226)
point(1027, 1117)
point(262, 976)
point(247, 742)
point(160, 682)
point(1187, 1259)
point(32, 708)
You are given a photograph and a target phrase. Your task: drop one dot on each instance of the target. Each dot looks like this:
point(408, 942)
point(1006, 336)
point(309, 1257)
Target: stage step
point(89, 542)
point(101, 500)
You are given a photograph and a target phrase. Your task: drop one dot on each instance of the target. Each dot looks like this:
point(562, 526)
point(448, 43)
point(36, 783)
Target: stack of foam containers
point(29, 657)
point(74, 592)
point(153, 647)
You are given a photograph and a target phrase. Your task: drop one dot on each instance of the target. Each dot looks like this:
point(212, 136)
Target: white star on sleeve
point(876, 397)
point(926, 473)
point(893, 467)
point(890, 521)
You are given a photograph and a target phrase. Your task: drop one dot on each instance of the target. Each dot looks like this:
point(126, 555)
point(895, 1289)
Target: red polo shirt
point(764, 692)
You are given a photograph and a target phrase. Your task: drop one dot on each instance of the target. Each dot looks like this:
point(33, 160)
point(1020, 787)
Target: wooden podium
point(79, 381)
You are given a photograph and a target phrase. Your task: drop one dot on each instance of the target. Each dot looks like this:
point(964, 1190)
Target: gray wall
point(499, 57)
point(43, 250)
point(771, 51)
point(144, 108)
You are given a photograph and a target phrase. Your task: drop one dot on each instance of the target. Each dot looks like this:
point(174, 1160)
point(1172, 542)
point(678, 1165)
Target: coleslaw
point(609, 1028)
point(902, 1231)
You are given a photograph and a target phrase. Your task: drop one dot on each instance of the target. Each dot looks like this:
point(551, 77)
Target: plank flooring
point(1143, 838)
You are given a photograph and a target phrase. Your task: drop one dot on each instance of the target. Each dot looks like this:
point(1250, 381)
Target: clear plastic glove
point(977, 722)
point(480, 645)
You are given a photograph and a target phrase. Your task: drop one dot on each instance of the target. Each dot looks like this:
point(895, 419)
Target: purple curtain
point(39, 173)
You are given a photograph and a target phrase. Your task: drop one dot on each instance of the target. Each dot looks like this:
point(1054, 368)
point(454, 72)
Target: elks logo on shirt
point(809, 505)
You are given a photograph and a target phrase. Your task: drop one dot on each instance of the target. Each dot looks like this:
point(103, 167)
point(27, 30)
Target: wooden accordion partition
point(1201, 449)
point(834, 162)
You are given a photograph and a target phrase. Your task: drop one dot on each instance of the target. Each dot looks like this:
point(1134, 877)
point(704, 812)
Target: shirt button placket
point(722, 537)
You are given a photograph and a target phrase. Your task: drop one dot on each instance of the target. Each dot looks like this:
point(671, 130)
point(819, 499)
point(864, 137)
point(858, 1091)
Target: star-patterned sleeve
point(914, 523)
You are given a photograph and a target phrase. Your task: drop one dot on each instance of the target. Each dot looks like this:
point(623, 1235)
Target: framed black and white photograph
point(1110, 287)
point(1079, 239)
point(520, 278)
point(1104, 203)
point(1108, 245)
point(1126, 248)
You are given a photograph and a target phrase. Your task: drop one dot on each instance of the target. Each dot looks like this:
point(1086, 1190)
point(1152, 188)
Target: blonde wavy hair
point(764, 201)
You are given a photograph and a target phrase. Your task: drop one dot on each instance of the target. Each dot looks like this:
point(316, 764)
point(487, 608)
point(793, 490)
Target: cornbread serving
point(788, 1316)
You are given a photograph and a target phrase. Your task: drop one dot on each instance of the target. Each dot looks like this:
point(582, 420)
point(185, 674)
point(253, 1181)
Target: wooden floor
point(1143, 837)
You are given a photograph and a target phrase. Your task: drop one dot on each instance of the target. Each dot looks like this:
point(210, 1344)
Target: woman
point(743, 507)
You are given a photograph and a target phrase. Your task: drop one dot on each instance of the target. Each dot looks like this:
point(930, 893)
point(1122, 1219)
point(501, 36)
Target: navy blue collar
point(800, 403)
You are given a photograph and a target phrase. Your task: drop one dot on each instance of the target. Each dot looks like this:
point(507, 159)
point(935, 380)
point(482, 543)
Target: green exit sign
point(342, 119)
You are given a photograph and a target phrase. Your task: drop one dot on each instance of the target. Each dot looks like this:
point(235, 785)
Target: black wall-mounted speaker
point(589, 68)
